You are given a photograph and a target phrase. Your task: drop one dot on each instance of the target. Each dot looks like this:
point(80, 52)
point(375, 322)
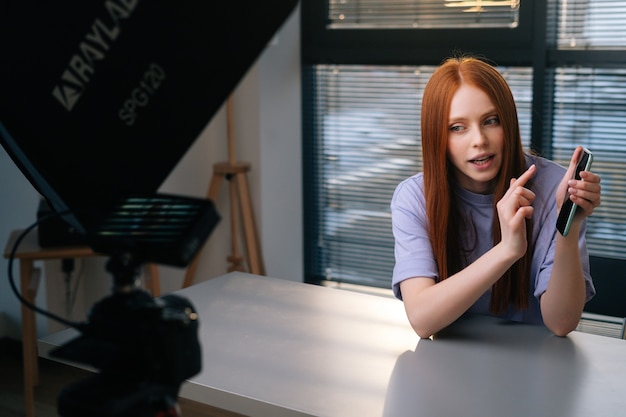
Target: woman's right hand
point(513, 210)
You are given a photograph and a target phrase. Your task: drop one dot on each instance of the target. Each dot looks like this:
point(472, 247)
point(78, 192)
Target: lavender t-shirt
point(413, 251)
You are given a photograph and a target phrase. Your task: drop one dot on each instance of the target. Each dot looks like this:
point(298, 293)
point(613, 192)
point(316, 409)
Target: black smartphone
point(566, 215)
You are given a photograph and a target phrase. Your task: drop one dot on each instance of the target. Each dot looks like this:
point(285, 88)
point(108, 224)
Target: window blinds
point(589, 108)
point(364, 124)
point(422, 14)
point(590, 24)
point(368, 134)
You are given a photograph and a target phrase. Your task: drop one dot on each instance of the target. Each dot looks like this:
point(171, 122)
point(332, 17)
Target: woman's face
point(475, 140)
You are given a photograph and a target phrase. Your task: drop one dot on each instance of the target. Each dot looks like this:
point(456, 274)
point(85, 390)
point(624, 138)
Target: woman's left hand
point(585, 193)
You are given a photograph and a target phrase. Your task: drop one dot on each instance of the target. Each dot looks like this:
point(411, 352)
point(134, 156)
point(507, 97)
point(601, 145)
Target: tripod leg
point(214, 189)
point(153, 284)
point(235, 259)
point(255, 259)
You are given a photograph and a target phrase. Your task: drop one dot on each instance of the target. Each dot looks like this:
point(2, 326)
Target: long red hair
point(444, 219)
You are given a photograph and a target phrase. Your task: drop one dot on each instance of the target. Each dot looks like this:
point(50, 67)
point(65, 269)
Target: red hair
point(443, 216)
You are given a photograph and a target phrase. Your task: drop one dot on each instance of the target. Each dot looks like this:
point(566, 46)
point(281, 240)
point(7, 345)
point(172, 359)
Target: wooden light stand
point(240, 206)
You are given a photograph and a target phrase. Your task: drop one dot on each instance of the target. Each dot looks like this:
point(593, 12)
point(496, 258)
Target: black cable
point(67, 267)
point(79, 276)
point(19, 296)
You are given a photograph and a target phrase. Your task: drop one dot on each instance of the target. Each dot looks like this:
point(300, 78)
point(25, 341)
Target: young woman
point(475, 232)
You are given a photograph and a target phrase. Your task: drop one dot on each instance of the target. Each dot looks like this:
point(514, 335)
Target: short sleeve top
point(413, 251)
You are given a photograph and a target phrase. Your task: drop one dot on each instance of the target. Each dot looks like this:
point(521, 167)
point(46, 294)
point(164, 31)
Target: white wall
point(267, 114)
point(18, 209)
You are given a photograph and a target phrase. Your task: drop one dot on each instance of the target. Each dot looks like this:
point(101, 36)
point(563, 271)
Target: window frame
point(525, 45)
point(512, 46)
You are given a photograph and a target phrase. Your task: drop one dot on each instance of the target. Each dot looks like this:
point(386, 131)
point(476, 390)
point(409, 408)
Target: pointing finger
point(523, 179)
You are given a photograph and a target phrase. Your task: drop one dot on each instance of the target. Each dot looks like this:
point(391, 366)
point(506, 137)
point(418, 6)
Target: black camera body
point(144, 348)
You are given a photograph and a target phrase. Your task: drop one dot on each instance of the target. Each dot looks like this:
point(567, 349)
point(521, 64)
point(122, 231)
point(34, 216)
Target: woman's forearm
point(563, 302)
point(431, 306)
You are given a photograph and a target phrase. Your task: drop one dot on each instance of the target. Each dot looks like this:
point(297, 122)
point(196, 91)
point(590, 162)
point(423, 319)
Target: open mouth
point(483, 160)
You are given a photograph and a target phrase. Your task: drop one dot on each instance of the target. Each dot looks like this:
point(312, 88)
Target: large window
point(368, 131)
point(590, 110)
point(365, 66)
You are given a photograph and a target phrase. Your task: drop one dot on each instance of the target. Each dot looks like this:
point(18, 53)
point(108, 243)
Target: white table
point(278, 348)
point(487, 367)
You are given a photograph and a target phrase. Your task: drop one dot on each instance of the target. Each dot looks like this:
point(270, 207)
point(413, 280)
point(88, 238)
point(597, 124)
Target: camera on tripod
point(143, 347)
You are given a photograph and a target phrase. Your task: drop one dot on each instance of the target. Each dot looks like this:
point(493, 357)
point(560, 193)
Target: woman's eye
point(456, 128)
point(492, 121)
